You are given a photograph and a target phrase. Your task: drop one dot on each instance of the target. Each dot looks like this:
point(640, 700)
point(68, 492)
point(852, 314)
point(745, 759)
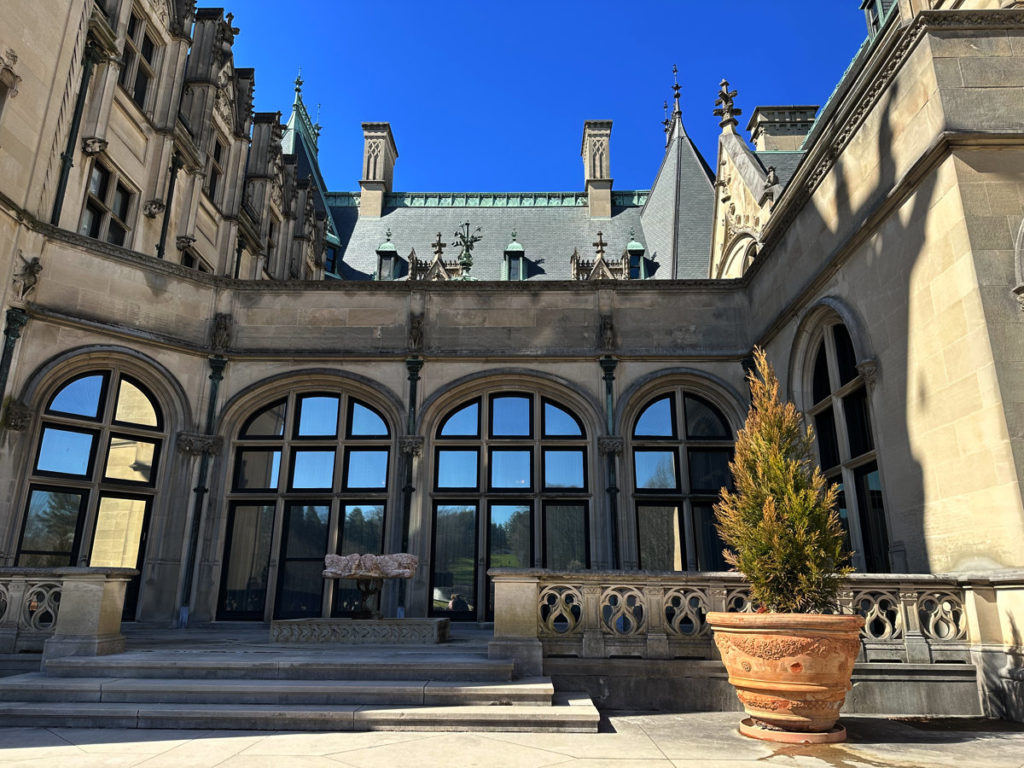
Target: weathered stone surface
point(353, 631)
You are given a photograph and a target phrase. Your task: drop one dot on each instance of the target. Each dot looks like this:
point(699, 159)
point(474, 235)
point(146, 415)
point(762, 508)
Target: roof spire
point(666, 123)
point(726, 110)
point(676, 112)
point(298, 87)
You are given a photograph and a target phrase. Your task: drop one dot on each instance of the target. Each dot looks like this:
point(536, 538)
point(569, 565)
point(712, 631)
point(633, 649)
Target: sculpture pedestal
point(359, 631)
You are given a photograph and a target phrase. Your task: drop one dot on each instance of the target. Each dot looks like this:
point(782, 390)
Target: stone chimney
point(780, 128)
point(596, 165)
point(379, 155)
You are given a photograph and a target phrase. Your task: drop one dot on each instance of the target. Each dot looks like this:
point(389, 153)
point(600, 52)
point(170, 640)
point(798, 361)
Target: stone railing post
point(515, 623)
point(997, 641)
point(593, 636)
point(914, 642)
point(9, 622)
point(657, 635)
point(89, 619)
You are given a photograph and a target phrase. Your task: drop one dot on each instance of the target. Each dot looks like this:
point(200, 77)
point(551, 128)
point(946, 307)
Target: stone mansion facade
point(216, 369)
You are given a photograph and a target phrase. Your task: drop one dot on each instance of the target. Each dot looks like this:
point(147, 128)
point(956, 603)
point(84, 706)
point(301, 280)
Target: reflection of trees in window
point(510, 481)
point(316, 466)
point(846, 447)
point(681, 448)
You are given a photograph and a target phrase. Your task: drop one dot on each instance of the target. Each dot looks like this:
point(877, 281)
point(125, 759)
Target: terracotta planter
point(791, 671)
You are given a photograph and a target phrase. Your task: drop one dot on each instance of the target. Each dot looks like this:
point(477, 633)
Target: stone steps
point(38, 687)
point(570, 714)
point(256, 666)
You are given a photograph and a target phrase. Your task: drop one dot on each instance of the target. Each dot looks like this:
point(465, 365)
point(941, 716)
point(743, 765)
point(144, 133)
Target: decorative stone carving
point(18, 416)
point(411, 445)
point(221, 331)
point(27, 277)
point(607, 333)
point(400, 565)
point(869, 369)
point(184, 242)
point(196, 444)
point(349, 632)
point(416, 333)
point(1018, 294)
point(725, 108)
point(153, 208)
point(93, 145)
point(7, 76)
point(610, 445)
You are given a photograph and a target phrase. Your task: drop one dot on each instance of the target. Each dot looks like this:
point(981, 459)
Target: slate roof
point(785, 163)
point(678, 215)
point(549, 226)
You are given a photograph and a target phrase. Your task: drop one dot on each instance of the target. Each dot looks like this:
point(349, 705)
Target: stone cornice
point(621, 198)
point(885, 63)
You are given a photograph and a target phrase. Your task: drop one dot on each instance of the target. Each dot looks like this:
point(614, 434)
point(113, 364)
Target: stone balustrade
point(62, 611)
point(909, 618)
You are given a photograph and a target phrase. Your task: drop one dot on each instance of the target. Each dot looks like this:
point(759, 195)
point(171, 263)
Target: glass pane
point(821, 388)
point(846, 358)
point(134, 406)
point(709, 470)
point(454, 577)
point(80, 398)
point(257, 470)
point(141, 86)
point(318, 416)
point(465, 422)
point(704, 421)
point(843, 510)
point(709, 546)
point(98, 180)
point(660, 539)
point(828, 443)
point(248, 560)
point(563, 469)
point(116, 233)
point(313, 469)
point(509, 541)
point(559, 423)
point(306, 530)
point(456, 469)
point(130, 459)
point(512, 469)
point(119, 522)
point(50, 524)
point(515, 268)
point(510, 416)
point(366, 423)
point(656, 420)
point(367, 469)
point(362, 529)
point(655, 469)
point(565, 537)
point(873, 529)
point(266, 423)
point(122, 197)
point(858, 424)
point(65, 451)
point(302, 589)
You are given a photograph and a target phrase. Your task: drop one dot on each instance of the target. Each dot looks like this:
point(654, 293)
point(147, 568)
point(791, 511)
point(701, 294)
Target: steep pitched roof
point(678, 215)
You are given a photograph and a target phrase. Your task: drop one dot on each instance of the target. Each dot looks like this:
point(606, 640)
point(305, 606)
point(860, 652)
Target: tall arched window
point(846, 446)
point(681, 448)
point(309, 476)
point(510, 490)
point(94, 476)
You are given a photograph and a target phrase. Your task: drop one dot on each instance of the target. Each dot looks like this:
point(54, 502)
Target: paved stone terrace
point(697, 740)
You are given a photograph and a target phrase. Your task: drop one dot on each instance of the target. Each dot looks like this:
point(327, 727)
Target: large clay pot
point(791, 671)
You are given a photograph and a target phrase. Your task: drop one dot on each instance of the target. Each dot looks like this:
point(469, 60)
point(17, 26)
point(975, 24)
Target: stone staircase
point(271, 687)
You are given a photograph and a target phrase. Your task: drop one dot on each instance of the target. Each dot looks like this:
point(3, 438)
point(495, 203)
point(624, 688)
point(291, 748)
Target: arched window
point(681, 448)
point(309, 476)
point(846, 446)
point(94, 476)
point(510, 490)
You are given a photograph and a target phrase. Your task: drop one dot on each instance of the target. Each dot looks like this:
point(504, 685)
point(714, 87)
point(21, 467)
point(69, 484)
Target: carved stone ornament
point(153, 208)
point(1018, 293)
point(92, 145)
point(26, 278)
point(607, 445)
point(869, 369)
point(411, 445)
point(196, 444)
point(220, 332)
point(184, 242)
point(607, 333)
point(7, 76)
point(416, 333)
point(18, 416)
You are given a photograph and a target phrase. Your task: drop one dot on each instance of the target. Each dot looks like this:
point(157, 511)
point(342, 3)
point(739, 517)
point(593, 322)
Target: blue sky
point(491, 96)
